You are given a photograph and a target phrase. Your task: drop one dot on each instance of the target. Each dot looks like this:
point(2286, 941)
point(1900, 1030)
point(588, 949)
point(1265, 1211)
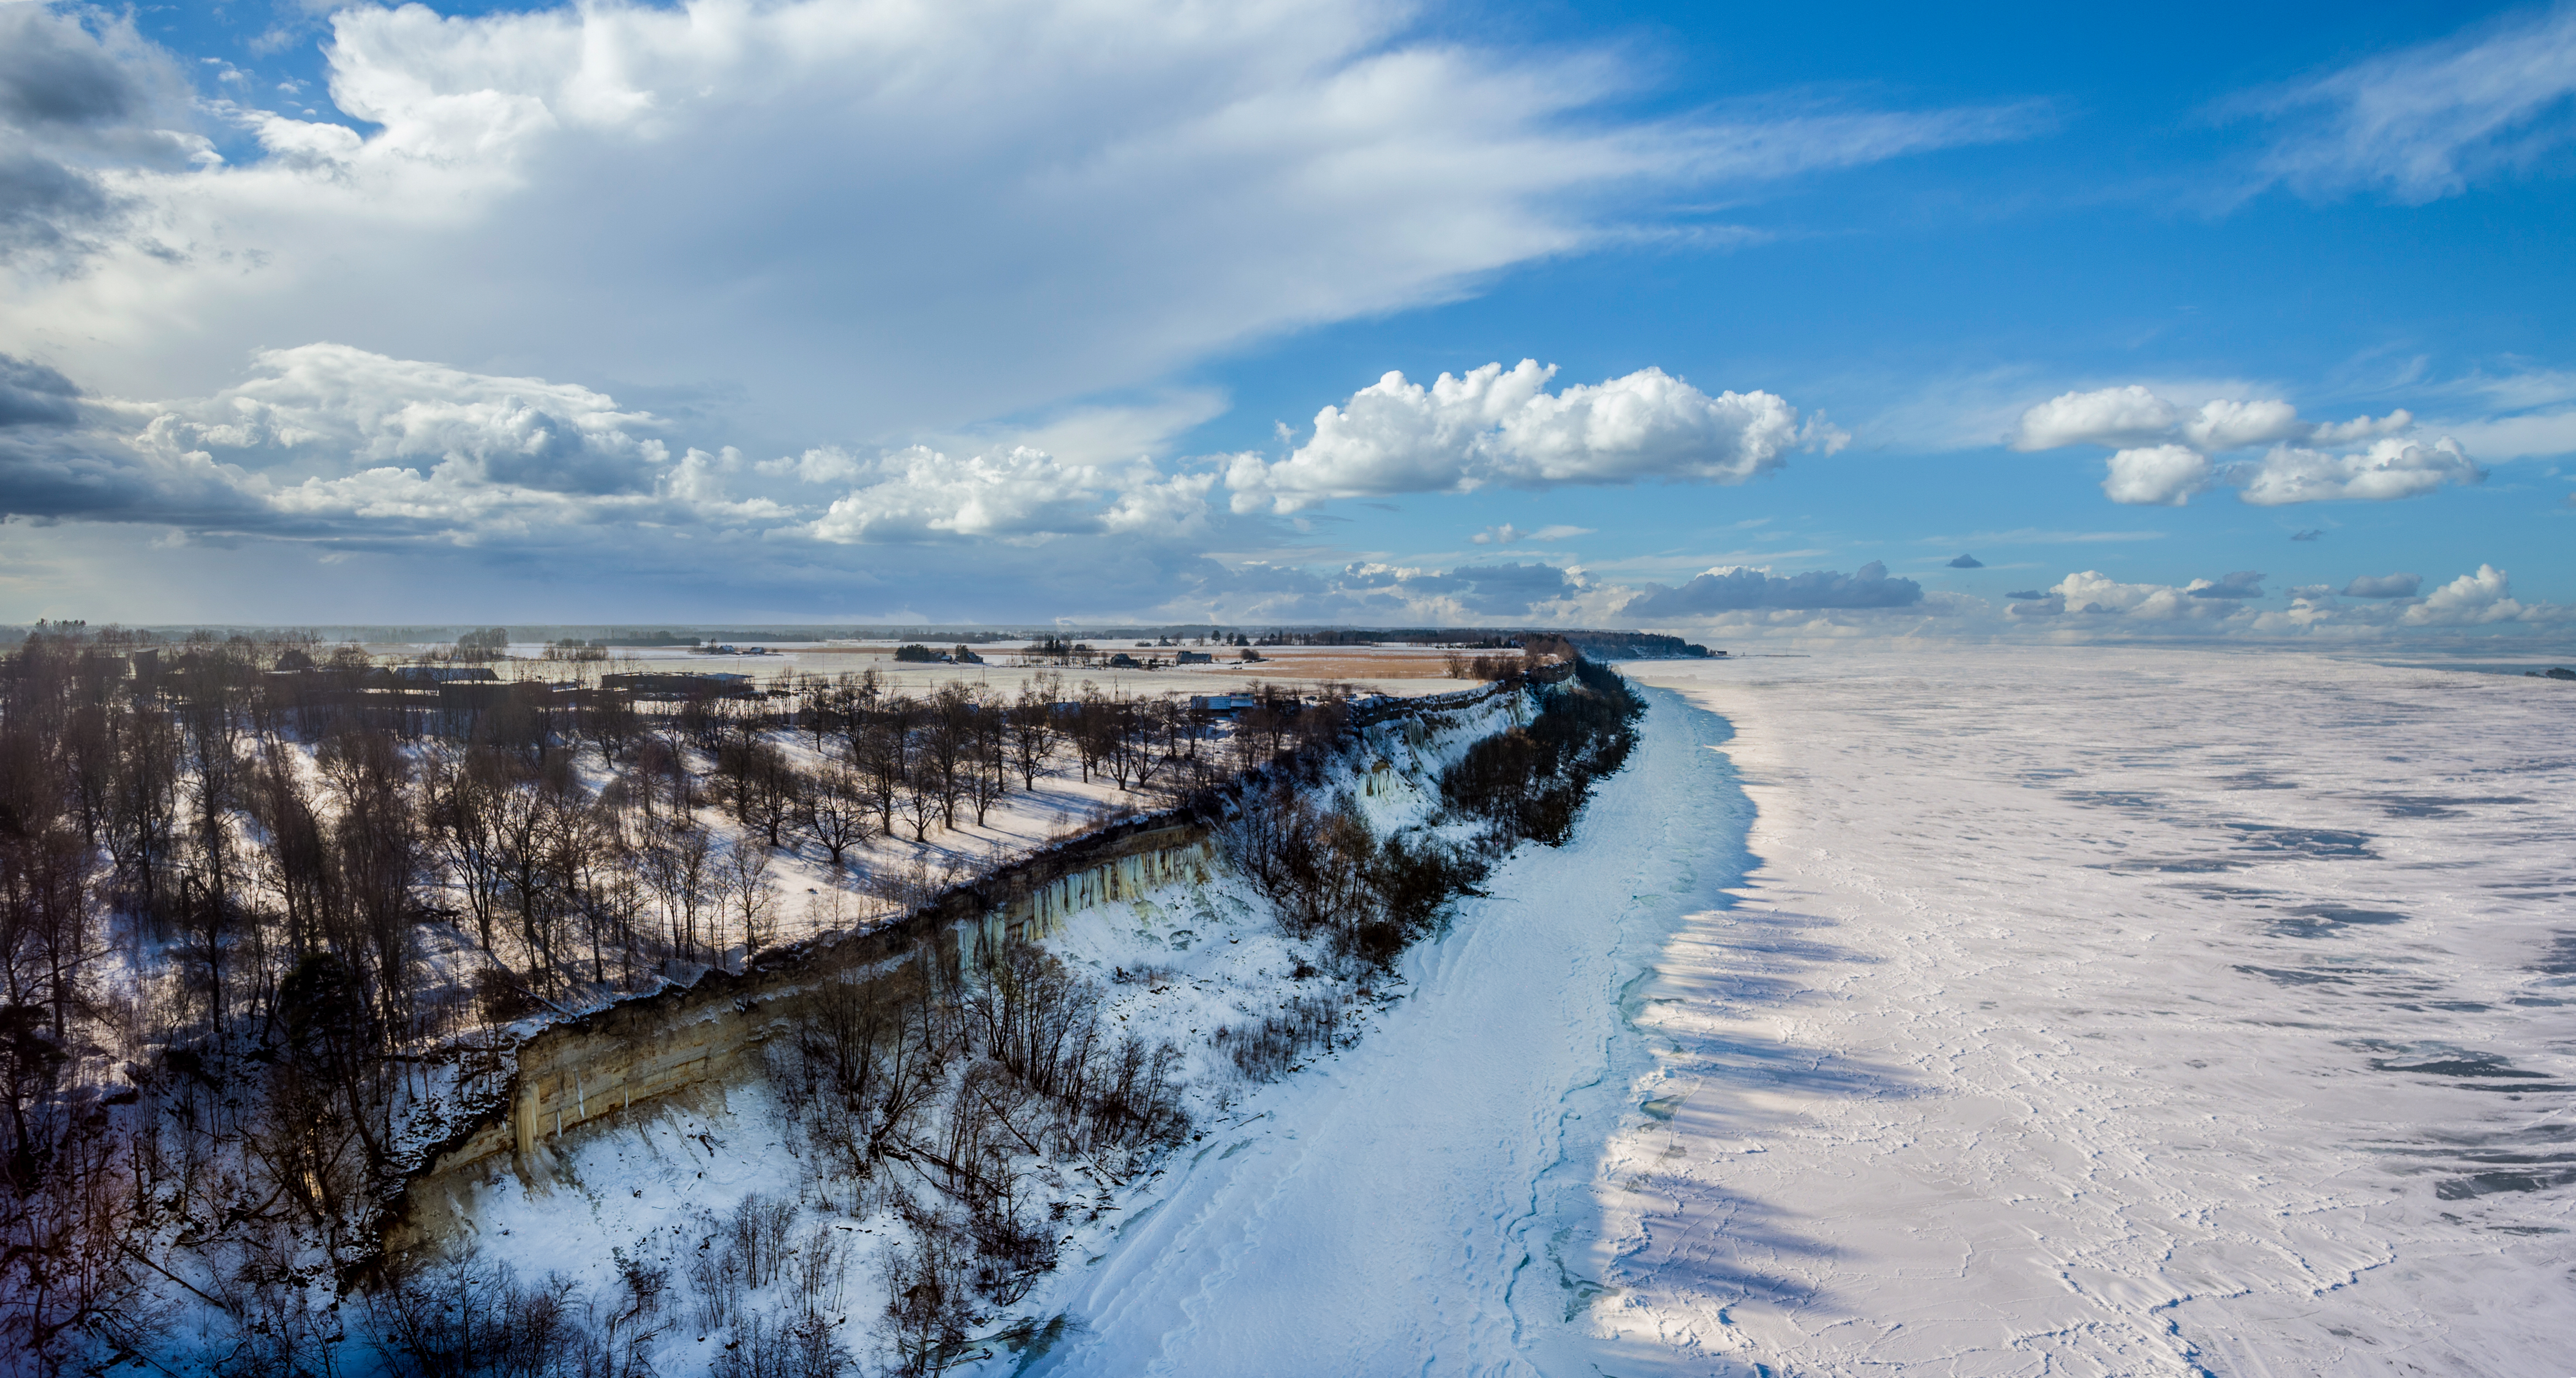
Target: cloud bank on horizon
point(833, 311)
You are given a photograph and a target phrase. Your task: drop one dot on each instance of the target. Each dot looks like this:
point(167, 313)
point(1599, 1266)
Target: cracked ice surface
point(2094, 1011)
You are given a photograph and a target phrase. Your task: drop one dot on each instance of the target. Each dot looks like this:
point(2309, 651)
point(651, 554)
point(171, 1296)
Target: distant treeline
point(1606, 644)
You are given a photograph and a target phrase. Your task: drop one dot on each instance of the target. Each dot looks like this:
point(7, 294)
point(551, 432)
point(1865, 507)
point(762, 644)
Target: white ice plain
point(2065, 1012)
point(2116, 1012)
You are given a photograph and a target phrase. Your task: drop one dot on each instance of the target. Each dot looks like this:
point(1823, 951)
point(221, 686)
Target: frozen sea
point(1953, 1011)
point(2120, 1012)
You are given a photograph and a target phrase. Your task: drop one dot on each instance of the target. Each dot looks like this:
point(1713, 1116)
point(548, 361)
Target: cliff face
point(680, 1038)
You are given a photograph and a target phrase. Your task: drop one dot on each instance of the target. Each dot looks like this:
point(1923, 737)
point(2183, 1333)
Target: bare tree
point(1118, 726)
point(777, 795)
point(921, 800)
point(818, 707)
point(519, 813)
point(662, 761)
point(460, 809)
point(947, 748)
point(748, 899)
point(378, 855)
point(929, 1306)
point(835, 811)
point(677, 866)
point(988, 768)
point(1033, 730)
point(885, 762)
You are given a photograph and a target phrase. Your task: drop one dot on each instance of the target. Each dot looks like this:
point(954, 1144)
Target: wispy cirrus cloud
point(2425, 122)
point(1508, 534)
point(2030, 535)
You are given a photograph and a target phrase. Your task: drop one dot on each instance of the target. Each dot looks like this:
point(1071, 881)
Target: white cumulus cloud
point(2090, 604)
point(2136, 415)
point(2477, 600)
point(2165, 452)
point(331, 442)
point(2157, 475)
point(1497, 427)
point(350, 405)
point(2093, 594)
point(1017, 494)
point(2105, 416)
point(2221, 424)
point(2389, 468)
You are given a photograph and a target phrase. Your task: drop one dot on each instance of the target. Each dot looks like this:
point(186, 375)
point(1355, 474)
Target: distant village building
point(1222, 705)
point(1193, 658)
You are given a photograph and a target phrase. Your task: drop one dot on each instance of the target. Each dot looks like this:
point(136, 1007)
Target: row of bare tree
point(258, 931)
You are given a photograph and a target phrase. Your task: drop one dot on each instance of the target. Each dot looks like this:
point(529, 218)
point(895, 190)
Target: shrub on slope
point(1530, 782)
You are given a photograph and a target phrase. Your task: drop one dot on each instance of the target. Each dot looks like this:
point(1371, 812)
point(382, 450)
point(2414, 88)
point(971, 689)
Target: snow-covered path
point(2112, 1012)
point(1415, 1204)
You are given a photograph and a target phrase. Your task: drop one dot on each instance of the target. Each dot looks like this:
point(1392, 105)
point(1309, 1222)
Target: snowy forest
point(269, 936)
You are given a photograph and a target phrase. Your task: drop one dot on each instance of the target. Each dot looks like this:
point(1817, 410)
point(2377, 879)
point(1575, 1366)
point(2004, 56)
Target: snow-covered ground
point(2096, 1011)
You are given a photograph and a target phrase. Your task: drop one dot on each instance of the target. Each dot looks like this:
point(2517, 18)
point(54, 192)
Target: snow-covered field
point(2096, 1011)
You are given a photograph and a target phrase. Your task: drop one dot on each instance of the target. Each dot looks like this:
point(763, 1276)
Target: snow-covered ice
point(2096, 1011)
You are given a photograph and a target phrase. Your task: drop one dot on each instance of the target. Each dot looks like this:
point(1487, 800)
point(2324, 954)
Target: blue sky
point(856, 312)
